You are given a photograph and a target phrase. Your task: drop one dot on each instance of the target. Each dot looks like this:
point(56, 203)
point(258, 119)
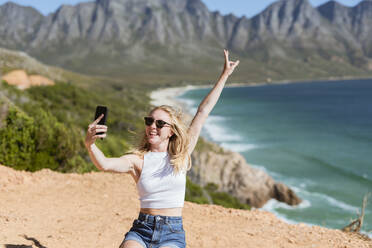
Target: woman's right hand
point(94, 128)
point(229, 65)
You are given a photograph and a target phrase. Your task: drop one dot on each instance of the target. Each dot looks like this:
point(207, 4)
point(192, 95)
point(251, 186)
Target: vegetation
point(198, 194)
point(194, 193)
point(45, 126)
point(223, 198)
point(203, 146)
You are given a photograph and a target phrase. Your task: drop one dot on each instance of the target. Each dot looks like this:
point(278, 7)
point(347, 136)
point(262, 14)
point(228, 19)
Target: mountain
point(18, 25)
point(354, 23)
point(122, 37)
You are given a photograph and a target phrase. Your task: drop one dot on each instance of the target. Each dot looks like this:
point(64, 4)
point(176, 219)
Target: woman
point(159, 168)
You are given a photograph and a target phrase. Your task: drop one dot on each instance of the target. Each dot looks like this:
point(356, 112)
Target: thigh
point(169, 246)
point(138, 236)
point(173, 236)
point(133, 240)
point(131, 244)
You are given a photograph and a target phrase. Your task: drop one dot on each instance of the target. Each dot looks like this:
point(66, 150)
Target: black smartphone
point(101, 110)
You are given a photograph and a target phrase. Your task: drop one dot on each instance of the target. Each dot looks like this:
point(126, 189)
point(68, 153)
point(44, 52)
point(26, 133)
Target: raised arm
point(123, 164)
point(209, 102)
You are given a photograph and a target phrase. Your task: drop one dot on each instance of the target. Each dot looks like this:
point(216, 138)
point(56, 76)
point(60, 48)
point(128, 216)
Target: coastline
point(169, 96)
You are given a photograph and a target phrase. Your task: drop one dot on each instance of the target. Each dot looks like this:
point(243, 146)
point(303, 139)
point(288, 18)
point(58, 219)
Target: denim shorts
point(155, 231)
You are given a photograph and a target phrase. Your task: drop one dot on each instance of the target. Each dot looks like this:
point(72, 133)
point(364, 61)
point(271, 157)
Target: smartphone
point(101, 110)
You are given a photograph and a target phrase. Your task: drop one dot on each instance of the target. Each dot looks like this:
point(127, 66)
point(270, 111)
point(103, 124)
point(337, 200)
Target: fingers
point(93, 129)
point(99, 136)
point(97, 128)
point(229, 64)
point(99, 131)
point(101, 126)
point(236, 63)
point(226, 55)
point(98, 119)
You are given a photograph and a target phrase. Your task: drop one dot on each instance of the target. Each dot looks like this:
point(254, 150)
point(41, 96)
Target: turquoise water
point(315, 137)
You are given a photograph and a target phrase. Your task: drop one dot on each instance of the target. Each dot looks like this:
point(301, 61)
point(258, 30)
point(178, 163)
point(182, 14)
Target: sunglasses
point(158, 123)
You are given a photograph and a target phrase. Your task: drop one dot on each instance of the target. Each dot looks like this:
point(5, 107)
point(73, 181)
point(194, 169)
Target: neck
point(159, 148)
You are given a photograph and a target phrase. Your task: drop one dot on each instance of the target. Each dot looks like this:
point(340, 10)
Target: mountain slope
point(182, 37)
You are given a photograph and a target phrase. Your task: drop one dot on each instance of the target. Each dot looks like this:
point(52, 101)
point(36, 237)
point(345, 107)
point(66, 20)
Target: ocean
point(316, 137)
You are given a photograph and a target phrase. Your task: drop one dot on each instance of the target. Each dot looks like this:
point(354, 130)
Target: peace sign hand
point(93, 129)
point(229, 65)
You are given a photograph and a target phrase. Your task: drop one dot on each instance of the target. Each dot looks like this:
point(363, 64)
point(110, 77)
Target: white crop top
point(158, 186)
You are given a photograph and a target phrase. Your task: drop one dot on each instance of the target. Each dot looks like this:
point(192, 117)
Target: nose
point(153, 126)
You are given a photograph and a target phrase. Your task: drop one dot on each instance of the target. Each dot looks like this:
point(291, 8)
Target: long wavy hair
point(178, 142)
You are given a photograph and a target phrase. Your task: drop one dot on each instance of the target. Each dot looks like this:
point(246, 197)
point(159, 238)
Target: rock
point(233, 175)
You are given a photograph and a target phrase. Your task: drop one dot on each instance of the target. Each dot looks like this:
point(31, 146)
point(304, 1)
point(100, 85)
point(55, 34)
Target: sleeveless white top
point(158, 185)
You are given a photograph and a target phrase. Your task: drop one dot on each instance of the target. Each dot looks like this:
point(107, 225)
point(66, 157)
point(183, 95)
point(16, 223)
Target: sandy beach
point(168, 96)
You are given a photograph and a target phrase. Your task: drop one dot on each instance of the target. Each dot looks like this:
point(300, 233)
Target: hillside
point(96, 209)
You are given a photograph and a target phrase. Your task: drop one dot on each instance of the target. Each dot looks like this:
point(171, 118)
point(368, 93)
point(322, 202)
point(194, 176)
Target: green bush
point(17, 139)
point(194, 193)
point(32, 143)
point(49, 128)
point(224, 199)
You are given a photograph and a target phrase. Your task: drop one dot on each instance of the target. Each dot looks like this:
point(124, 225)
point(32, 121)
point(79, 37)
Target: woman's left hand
point(229, 65)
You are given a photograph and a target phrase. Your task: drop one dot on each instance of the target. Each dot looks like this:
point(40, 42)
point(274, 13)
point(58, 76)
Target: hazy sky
point(238, 7)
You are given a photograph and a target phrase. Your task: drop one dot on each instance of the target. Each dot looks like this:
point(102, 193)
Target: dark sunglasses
point(158, 123)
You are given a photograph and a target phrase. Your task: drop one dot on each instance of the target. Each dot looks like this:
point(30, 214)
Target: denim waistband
point(151, 219)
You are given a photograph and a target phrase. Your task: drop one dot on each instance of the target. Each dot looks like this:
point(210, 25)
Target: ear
point(171, 134)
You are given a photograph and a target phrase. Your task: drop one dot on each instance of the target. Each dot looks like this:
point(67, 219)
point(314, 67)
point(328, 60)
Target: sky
point(239, 8)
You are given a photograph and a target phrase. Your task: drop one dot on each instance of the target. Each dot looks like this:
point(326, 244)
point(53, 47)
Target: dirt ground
point(50, 209)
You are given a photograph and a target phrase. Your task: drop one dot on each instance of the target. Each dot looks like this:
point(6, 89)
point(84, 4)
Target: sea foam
point(238, 147)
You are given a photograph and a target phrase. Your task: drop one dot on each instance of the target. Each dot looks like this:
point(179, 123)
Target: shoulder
point(133, 158)
point(136, 163)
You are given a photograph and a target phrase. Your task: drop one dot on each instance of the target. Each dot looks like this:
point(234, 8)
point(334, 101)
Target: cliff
point(233, 175)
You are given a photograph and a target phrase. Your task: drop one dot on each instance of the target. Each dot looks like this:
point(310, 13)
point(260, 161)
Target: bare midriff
point(162, 211)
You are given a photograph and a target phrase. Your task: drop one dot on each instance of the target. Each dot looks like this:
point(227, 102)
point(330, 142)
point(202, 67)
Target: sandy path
point(96, 209)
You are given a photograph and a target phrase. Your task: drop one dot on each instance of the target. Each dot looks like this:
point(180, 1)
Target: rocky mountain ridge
point(128, 33)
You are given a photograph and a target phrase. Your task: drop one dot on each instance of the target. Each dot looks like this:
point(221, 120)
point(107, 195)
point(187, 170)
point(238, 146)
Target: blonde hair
point(178, 142)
